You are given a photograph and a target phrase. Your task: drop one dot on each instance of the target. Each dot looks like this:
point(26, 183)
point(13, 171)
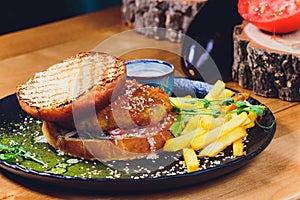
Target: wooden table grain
point(273, 174)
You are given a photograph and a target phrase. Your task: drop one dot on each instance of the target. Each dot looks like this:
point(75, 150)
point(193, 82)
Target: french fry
point(217, 91)
point(191, 160)
point(234, 122)
point(238, 148)
point(209, 122)
point(203, 140)
point(191, 125)
point(212, 124)
point(182, 141)
point(221, 143)
point(186, 102)
point(228, 93)
point(252, 117)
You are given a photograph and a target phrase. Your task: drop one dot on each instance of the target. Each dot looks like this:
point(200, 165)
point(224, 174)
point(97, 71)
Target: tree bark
point(160, 19)
point(266, 63)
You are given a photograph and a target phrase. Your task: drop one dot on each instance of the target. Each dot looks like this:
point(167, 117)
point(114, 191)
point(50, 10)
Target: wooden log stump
point(160, 19)
point(266, 63)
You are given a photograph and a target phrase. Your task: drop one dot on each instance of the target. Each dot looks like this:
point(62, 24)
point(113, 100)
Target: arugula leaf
point(241, 109)
point(240, 103)
point(242, 106)
point(10, 152)
point(9, 157)
point(178, 125)
point(227, 102)
point(216, 113)
point(206, 103)
point(259, 110)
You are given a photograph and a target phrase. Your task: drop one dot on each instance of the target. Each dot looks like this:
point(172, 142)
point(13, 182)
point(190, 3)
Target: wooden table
point(274, 174)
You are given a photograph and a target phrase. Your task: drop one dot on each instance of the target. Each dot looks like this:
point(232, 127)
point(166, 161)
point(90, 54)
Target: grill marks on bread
point(86, 79)
point(64, 82)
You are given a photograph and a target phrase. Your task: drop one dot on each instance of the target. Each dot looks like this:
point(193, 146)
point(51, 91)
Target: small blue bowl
point(152, 72)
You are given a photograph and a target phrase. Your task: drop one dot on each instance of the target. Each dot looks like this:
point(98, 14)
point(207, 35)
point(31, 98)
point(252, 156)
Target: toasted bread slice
point(88, 78)
point(120, 145)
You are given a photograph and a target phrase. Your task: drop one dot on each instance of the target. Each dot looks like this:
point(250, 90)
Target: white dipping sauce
point(156, 73)
point(148, 68)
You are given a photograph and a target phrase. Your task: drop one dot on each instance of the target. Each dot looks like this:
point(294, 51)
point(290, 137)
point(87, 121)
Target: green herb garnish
point(212, 107)
point(265, 127)
point(10, 153)
point(178, 125)
point(227, 102)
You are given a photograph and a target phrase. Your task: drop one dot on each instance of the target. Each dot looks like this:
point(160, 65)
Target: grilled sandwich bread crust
point(87, 78)
point(121, 145)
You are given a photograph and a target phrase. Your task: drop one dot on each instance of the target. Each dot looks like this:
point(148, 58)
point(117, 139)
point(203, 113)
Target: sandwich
point(90, 111)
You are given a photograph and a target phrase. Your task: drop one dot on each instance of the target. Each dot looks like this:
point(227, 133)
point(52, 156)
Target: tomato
point(275, 16)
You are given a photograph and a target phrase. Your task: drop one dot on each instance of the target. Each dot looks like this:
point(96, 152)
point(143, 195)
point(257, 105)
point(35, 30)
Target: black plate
point(65, 172)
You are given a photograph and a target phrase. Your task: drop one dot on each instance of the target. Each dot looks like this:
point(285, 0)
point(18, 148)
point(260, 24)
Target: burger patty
point(139, 107)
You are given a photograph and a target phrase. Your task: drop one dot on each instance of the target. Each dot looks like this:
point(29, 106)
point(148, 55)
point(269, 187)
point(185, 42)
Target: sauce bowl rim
point(170, 72)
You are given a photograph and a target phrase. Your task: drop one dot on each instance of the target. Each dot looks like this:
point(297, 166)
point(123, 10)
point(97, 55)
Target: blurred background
point(20, 14)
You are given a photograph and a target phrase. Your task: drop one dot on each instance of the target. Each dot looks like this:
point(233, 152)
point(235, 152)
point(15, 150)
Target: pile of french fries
point(208, 135)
